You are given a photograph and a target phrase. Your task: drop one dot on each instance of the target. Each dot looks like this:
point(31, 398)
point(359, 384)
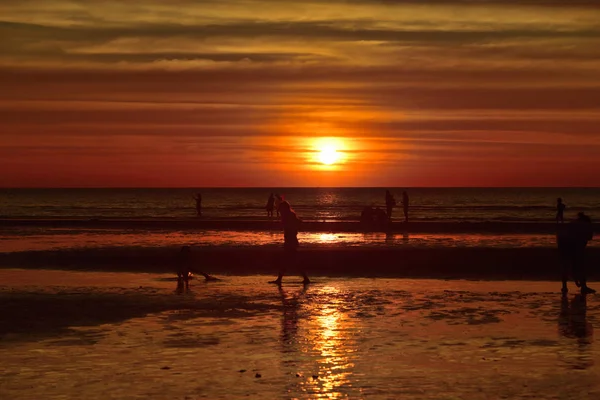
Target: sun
point(328, 155)
point(329, 151)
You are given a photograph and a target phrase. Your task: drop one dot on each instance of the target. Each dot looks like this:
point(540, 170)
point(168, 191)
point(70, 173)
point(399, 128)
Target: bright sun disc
point(328, 155)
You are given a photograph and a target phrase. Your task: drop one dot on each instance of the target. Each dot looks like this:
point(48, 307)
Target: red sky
point(240, 93)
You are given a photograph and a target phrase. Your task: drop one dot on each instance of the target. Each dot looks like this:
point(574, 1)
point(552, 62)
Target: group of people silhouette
point(376, 218)
point(572, 239)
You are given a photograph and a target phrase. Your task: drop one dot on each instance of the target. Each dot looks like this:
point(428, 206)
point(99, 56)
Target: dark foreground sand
point(449, 262)
point(99, 335)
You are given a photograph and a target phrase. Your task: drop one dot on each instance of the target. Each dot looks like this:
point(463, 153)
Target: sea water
point(426, 204)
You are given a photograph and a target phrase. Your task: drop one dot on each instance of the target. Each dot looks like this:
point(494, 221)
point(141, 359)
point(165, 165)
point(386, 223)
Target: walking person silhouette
point(572, 240)
point(291, 224)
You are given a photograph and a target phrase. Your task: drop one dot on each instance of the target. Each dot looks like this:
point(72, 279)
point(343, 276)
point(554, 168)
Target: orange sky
point(238, 93)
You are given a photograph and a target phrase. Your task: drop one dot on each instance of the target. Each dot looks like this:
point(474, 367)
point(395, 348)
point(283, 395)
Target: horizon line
point(290, 187)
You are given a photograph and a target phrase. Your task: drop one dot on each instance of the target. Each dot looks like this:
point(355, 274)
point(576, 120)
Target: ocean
point(426, 204)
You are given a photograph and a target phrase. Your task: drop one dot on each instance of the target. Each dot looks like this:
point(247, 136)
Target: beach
point(90, 308)
point(124, 335)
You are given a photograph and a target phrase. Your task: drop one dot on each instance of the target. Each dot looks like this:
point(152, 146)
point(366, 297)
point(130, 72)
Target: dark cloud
point(301, 29)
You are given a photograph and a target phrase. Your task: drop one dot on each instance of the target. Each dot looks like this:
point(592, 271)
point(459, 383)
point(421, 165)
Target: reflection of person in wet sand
point(573, 324)
point(292, 355)
point(185, 270)
point(572, 321)
point(291, 225)
point(289, 324)
point(572, 240)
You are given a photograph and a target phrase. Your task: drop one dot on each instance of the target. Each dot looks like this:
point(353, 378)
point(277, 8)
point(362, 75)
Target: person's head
point(559, 200)
point(285, 207)
point(186, 249)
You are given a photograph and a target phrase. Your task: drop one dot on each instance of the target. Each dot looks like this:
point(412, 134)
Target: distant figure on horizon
point(390, 203)
point(270, 205)
point(405, 204)
point(198, 198)
point(572, 240)
point(560, 210)
point(291, 225)
point(277, 203)
point(184, 269)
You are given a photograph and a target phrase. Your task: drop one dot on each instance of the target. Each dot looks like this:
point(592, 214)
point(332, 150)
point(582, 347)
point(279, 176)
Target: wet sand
point(409, 262)
point(74, 335)
point(273, 224)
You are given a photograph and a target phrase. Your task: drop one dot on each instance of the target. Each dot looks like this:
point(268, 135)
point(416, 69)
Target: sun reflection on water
point(333, 344)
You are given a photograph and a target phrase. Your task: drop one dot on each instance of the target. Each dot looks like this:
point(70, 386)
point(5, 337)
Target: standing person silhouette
point(291, 224)
point(277, 203)
point(390, 203)
point(270, 205)
point(198, 198)
point(560, 210)
point(405, 203)
point(572, 241)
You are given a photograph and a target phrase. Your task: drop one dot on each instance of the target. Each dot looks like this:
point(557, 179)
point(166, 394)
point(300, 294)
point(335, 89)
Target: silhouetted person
point(380, 218)
point(390, 203)
point(277, 203)
point(270, 205)
point(367, 217)
point(184, 268)
point(572, 240)
point(560, 210)
point(291, 225)
point(405, 204)
point(198, 198)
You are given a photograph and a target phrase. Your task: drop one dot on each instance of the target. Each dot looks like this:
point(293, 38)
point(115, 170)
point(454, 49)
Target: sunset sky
point(247, 93)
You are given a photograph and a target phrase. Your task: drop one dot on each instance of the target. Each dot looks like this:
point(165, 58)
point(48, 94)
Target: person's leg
point(405, 214)
point(582, 276)
point(295, 261)
point(565, 277)
point(208, 277)
point(282, 266)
